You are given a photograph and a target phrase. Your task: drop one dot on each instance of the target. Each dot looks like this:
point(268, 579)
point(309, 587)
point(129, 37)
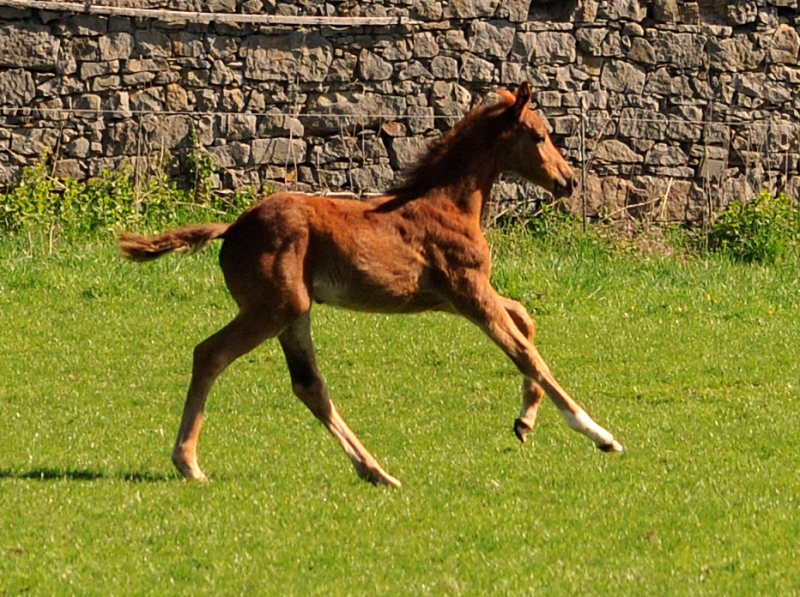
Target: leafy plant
point(114, 200)
point(31, 201)
point(201, 167)
point(762, 230)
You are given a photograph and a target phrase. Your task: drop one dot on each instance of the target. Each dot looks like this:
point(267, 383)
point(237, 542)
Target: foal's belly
point(392, 294)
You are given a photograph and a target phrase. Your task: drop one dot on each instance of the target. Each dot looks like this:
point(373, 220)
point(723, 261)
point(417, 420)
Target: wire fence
point(653, 167)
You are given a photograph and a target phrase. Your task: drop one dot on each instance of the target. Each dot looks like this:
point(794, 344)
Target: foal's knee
point(308, 385)
point(208, 358)
point(315, 397)
point(522, 320)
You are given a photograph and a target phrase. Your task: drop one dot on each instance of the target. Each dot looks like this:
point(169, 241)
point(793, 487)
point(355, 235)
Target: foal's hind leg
point(532, 392)
point(309, 386)
point(211, 357)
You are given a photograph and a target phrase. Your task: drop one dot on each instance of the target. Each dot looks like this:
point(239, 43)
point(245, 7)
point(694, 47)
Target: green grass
point(691, 362)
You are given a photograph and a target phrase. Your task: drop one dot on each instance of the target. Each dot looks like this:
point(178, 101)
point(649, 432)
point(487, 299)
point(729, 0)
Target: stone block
point(16, 87)
point(78, 148)
point(306, 56)
point(98, 69)
point(421, 119)
point(738, 53)
point(371, 178)
point(240, 127)
point(342, 69)
point(406, 151)
point(424, 45)
point(278, 151)
point(149, 43)
point(491, 39)
point(622, 77)
point(333, 112)
point(116, 46)
point(32, 141)
point(470, 9)
point(590, 39)
point(641, 51)
point(69, 169)
point(712, 170)
point(147, 100)
point(277, 124)
point(666, 155)
point(117, 105)
point(231, 155)
point(614, 10)
point(172, 131)
point(680, 50)
point(362, 149)
point(372, 67)
point(552, 47)
point(642, 124)
point(24, 44)
point(784, 45)
point(476, 69)
point(444, 67)
point(616, 152)
point(666, 11)
point(415, 72)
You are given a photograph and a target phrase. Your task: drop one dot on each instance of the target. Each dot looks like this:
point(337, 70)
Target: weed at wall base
point(72, 209)
point(765, 229)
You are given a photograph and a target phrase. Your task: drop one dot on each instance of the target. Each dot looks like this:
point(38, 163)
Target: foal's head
point(528, 149)
point(504, 137)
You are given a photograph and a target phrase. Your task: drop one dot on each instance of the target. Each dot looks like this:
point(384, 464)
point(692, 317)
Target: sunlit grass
point(690, 362)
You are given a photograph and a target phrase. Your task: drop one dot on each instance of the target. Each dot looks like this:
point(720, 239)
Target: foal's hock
point(419, 247)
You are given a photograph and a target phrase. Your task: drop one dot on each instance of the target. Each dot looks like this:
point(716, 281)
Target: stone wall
point(670, 108)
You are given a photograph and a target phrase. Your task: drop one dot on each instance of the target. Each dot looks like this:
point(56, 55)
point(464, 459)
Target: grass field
point(691, 363)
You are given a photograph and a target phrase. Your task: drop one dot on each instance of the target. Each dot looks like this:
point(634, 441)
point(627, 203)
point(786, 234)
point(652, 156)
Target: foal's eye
point(535, 136)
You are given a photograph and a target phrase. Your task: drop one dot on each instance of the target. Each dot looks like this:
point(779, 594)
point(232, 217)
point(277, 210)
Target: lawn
point(691, 362)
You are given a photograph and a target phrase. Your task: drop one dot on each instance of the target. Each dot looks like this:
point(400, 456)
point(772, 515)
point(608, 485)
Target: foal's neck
point(471, 191)
point(460, 168)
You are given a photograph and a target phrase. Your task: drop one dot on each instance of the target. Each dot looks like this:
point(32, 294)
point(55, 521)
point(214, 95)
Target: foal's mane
point(447, 156)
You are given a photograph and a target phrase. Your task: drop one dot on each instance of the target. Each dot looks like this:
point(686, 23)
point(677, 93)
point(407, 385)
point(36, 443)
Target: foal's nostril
point(564, 186)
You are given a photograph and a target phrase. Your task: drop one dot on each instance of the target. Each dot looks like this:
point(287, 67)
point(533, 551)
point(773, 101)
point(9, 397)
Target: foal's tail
point(188, 238)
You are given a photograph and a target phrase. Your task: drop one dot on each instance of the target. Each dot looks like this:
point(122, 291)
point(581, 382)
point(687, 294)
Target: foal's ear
point(523, 99)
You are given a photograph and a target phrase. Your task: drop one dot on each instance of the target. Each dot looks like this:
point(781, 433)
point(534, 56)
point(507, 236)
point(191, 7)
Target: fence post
point(584, 167)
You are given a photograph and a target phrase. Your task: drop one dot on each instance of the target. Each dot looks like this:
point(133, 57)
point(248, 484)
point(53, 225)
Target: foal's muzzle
point(564, 186)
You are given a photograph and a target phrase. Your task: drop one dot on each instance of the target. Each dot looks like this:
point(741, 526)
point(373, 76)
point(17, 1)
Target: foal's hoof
point(614, 446)
point(377, 476)
point(390, 481)
point(191, 471)
point(521, 430)
point(384, 479)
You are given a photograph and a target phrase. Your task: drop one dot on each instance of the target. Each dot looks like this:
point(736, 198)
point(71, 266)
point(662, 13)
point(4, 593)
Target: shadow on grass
point(56, 474)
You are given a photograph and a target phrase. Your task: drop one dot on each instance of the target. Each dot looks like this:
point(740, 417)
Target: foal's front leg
point(480, 303)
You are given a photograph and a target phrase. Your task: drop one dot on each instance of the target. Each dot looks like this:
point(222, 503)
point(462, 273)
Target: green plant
point(200, 164)
point(31, 202)
point(73, 209)
point(762, 230)
point(536, 216)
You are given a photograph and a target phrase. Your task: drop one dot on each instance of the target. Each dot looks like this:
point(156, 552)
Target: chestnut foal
point(419, 247)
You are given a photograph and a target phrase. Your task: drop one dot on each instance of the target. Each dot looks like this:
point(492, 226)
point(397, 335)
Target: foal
point(419, 247)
